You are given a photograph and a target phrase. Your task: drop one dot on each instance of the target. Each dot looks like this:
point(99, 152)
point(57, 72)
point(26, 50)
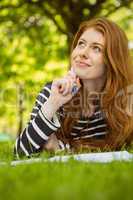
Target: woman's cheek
point(72, 59)
point(74, 54)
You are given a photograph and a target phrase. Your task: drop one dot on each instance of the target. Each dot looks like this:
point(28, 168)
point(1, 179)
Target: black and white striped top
point(39, 128)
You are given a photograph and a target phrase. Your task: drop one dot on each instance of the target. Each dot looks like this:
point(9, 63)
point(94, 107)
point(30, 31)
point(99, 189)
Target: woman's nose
point(85, 52)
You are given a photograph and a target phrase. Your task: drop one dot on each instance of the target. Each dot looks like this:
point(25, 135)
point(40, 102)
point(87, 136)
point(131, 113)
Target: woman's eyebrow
point(97, 43)
point(94, 43)
point(82, 39)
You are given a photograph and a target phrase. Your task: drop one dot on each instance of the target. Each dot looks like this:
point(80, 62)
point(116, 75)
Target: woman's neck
point(93, 86)
point(92, 90)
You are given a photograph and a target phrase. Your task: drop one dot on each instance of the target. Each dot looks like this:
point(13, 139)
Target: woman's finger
point(60, 84)
point(71, 75)
point(67, 87)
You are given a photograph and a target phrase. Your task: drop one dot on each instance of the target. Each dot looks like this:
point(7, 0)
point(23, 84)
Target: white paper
point(97, 157)
point(105, 157)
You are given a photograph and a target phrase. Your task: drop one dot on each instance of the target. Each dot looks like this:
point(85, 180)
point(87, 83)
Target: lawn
point(72, 180)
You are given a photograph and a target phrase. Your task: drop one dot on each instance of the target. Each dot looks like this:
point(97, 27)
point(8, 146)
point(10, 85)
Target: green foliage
point(30, 62)
point(67, 181)
point(34, 38)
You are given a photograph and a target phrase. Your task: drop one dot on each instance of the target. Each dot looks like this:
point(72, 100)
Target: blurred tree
point(34, 32)
point(66, 14)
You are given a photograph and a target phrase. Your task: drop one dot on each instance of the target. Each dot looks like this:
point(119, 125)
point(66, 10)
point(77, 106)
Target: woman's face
point(87, 58)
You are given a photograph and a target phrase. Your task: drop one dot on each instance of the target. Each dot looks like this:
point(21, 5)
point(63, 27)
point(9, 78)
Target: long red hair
point(115, 101)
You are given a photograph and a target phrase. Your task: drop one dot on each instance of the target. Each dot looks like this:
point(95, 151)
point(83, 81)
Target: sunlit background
point(35, 40)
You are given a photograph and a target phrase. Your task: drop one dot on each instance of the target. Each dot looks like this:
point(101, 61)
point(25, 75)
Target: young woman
point(88, 109)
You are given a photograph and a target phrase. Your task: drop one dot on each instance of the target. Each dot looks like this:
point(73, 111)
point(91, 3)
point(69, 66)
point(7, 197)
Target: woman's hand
point(61, 89)
point(52, 145)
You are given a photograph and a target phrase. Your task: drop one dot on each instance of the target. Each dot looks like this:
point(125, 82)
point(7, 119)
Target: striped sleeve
point(38, 129)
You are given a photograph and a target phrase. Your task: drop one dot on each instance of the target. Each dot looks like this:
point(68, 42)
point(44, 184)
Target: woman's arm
point(42, 124)
point(43, 120)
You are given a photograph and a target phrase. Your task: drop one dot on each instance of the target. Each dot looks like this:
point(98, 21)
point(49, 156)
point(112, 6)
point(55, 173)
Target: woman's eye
point(97, 49)
point(80, 43)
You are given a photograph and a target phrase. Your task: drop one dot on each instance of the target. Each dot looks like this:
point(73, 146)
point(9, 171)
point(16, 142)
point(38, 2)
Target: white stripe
point(61, 144)
point(39, 102)
point(33, 114)
point(100, 114)
point(23, 148)
point(99, 111)
point(47, 122)
point(22, 133)
point(31, 140)
point(95, 120)
point(73, 133)
point(67, 146)
point(91, 135)
point(46, 88)
point(93, 128)
point(80, 121)
point(35, 107)
point(78, 127)
point(39, 131)
point(90, 121)
point(42, 95)
point(16, 144)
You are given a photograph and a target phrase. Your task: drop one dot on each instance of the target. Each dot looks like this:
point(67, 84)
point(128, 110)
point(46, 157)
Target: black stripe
point(38, 105)
point(41, 99)
point(95, 130)
point(32, 117)
point(97, 137)
point(52, 124)
point(88, 125)
point(28, 146)
point(48, 85)
point(44, 127)
point(97, 123)
point(19, 150)
point(99, 114)
point(35, 137)
point(46, 92)
point(35, 110)
point(89, 132)
point(75, 131)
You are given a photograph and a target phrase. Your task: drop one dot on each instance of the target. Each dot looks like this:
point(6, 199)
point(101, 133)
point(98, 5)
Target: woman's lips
point(82, 64)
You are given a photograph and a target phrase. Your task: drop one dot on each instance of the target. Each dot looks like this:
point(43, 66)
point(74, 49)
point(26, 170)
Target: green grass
point(72, 180)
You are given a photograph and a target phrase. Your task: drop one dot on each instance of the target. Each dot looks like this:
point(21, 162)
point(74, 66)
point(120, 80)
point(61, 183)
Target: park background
point(35, 42)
